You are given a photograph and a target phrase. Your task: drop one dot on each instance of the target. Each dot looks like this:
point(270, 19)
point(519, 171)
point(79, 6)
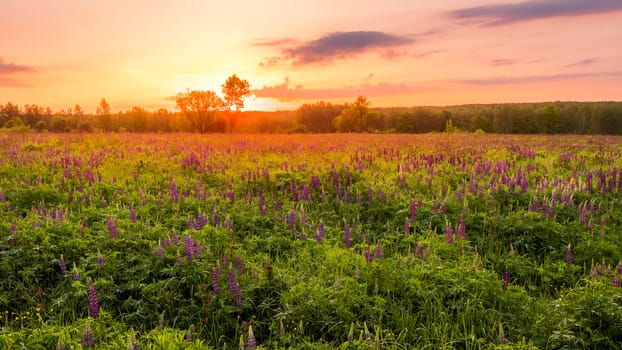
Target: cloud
point(333, 46)
point(284, 92)
point(583, 63)
point(8, 69)
point(502, 62)
point(539, 78)
point(492, 15)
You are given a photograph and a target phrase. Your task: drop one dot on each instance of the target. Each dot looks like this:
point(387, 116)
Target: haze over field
point(397, 53)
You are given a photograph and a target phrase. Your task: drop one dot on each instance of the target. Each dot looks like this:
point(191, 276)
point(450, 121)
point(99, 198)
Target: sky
point(404, 53)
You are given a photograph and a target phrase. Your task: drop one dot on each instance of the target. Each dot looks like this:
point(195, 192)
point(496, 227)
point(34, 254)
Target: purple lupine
point(215, 284)
point(160, 250)
point(502, 339)
point(175, 239)
point(406, 227)
point(132, 214)
point(188, 336)
point(291, 219)
point(461, 228)
point(569, 256)
point(419, 249)
point(100, 259)
point(378, 250)
point(75, 275)
point(238, 295)
point(93, 301)
point(616, 281)
point(252, 342)
point(368, 256)
point(238, 264)
point(174, 193)
point(87, 336)
point(346, 235)
point(449, 232)
point(506, 278)
point(189, 248)
point(62, 265)
point(231, 278)
point(112, 227)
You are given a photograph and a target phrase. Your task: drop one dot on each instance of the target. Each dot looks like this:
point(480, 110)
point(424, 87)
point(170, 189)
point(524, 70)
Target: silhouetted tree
point(200, 107)
point(234, 90)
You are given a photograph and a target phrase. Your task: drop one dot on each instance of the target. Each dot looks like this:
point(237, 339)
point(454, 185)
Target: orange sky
point(397, 53)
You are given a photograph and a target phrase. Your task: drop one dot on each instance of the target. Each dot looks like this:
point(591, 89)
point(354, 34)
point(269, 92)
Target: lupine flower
point(238, 265)
point(132, 214)
point(87, 336)
point(502, 339)
point(378, 250)
point(175, 239)
point(231, 278)
point(506, 278)
point(252, 342)
point(112, 227)
point(238, 295)
point(160, 250)
point(461, 228)
point(568, 256)
point(189, 248)
point(188, 336)
point(406, 226)
point(62, 265)
point(368, 256)
point(132, 343)
point(215, 284)
point(93, 301)
point(75, 273)
point(448, 234)
point(616, 281)
point(346, 235)
point(419, 249)
point(100, 259)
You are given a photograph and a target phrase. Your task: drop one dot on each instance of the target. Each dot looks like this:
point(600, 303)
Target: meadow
point(349, 241)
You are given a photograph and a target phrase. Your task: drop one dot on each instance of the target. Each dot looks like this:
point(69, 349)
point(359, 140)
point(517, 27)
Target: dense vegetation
point(335, 241)
point(321, 117)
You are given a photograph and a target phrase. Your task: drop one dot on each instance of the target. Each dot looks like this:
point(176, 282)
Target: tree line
point(204, 111)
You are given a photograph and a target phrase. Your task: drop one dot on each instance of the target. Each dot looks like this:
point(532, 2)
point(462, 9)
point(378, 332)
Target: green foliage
point(455, 241)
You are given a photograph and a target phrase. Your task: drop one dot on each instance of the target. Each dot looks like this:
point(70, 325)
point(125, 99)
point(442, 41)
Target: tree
point(352, 118)
point(200, 107)
point(317, 117)
point(103, 114)
point(234, 90)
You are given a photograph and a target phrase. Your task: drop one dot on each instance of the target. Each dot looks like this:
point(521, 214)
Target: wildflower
point(231, 278)
point(568, 256)
point(75, 273)
point(112, 227)
point(189, 247)
point(62, 265)
point(238, 265)
point(188, 336)
point(461, 228)
point(616, 281)
point(319, 237)
point(368, 257)
point(132, 343)
point(87, 336)
point(93, 301)
point(419, 249)
point(406, 227)
point(378, 250)
point(502, 339)
point(100, 259)
point(132, 214)
point(448, 234)
point(346, 235)
point(506, 278)
point(238, 295)
point(160, 251)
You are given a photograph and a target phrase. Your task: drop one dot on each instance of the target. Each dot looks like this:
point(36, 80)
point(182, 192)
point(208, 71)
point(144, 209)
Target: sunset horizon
point(400, 54)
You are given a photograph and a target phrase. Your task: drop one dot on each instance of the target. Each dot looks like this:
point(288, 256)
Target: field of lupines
point(319, 241)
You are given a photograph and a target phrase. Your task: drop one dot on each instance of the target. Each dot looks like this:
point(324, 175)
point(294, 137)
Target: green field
point(350, 241)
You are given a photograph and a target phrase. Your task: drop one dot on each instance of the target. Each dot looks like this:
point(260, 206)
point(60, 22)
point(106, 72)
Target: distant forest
point(323, 117)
